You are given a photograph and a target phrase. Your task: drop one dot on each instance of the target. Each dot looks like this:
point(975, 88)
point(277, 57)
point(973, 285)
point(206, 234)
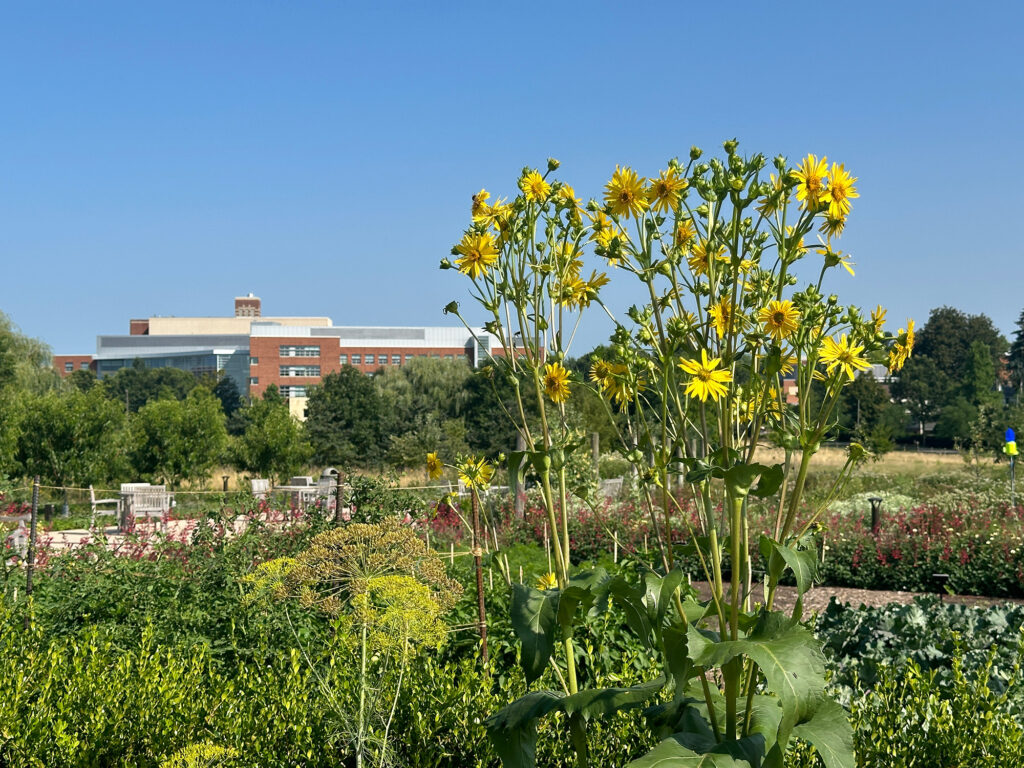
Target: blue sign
point(1010, 436)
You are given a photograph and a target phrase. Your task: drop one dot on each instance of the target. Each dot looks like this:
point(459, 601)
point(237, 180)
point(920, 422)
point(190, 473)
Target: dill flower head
point(625, 193)
point(397, 611)
point(556, 382)
point(478, 254)
point(534, 187)
point(779, 319)
point(708, 380)
point(844, 355)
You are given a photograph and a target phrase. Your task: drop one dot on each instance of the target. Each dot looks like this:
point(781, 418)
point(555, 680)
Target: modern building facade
point(293, 353)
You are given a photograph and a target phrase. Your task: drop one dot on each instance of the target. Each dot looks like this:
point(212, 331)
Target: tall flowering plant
point(731, 350)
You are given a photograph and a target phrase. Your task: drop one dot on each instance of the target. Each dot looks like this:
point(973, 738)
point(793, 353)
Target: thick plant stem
point(549, 504)
point(798, 492)
point(360, 735)
point(478, 566)
point(737, 542)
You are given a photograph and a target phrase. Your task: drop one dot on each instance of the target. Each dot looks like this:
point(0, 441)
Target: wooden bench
point(97, 509)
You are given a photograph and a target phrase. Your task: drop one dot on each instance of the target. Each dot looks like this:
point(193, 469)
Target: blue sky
point(161, 158)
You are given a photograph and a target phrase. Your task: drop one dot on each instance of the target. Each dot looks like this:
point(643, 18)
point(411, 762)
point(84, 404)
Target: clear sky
point(160, 158)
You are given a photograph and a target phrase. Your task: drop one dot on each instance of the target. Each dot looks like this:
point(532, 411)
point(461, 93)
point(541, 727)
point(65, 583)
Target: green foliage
point(71, 438)
point(345, 418)
point(177, 440)
point(274, 444)
point(25, 363)
point(139, 385)
point(948, 336)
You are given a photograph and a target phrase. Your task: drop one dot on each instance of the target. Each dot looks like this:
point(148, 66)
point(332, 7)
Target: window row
point(69, 367)
point(374, 358)
point(299, 351)
point(300, 370)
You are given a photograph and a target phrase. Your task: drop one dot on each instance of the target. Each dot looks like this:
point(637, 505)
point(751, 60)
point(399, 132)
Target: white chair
point(260, 487)
point(100, 507)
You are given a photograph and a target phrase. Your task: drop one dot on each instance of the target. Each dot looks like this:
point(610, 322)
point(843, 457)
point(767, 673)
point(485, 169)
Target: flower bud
point(730, 146)
point(553, 164)
point(695, 152)
point(446, 264)
point(833, 300)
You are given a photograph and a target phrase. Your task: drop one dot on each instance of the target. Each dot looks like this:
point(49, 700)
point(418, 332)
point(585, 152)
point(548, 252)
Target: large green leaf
point(803, 562)
point(831, 734)
point(632, 604)
point(787, 654)
point(583, 589)
point(598, 702)
point(534, 619)
point(513, 729)
point(672, 754)
point(658, 591)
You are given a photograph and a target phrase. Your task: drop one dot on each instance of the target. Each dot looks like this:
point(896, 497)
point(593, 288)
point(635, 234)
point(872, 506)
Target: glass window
point(292, 391)
point(396, 359)
point(382, 360)
point(291, 350)
point(253, 380)
point(254, 361)
point(300, 370)
point(408, 358)
point(83, 366)
point(344, 359)
point(357, 359)
point(449, 357)
point(369, 358)
point(69, 367)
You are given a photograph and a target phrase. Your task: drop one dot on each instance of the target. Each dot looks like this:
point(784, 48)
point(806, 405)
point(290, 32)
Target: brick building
point(293, 353)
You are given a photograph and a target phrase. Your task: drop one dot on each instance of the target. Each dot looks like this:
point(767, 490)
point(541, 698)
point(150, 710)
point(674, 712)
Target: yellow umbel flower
point(481, 210)
point(842, 354)
point(534, 187)
point(434, 466)
point(811, 175)
point(707, 381)
point(663, 194)
point(476, 473)
point(625, 193)
point(840, 190)
point(478, 253)
point(547, 581)
point(722, 315)
point(779, 319)
point(556, 382)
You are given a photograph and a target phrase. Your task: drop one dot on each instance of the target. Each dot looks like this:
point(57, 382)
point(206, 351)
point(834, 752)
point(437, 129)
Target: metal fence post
point(31, 566)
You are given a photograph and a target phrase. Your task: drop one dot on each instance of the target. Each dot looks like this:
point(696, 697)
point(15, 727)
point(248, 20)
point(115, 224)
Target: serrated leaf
point(598, 702)
point(632, 605)
point(534, 619)
point(803, 562)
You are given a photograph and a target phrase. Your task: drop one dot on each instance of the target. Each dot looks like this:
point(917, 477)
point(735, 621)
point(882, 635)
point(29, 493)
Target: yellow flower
point(481, 210)
point(811, 175)
point(842, 354)
point(663, 194)
point(700, 257)
point(611, 379)
point(478, 253)
point(534, 187)
point(556, 382)
point(707, 381)
point(878, 318)
point(685, 235)
point(476, 473)
point(434, 466)
point(840, 190)
point(832, 226)
point(779, 319)
point(902, 348)
point(568, 195)
point(547, 581)
point(835, 258)
point(772, 201)
point(722, 315)
point(625, 193)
